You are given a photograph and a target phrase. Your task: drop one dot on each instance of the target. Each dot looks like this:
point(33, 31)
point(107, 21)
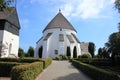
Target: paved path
point(62, 70)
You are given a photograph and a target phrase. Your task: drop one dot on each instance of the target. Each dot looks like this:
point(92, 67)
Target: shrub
point(26, 72)
point(94, 72)
point(96, 61)
point(58, 58)
point(117, 60)
point(75, 52)
point(68, 52)
point(87, 55)
point(6, 67)
point(9, 60)
point(28, 60)
point(46, 62)
point(64, 57)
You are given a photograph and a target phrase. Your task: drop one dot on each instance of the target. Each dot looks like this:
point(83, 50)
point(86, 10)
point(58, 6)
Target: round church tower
point(58, 35)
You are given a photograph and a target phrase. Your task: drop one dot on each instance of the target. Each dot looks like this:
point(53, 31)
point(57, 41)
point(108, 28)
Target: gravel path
point(62, 70)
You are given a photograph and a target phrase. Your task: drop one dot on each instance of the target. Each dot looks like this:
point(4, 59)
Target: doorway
point(40, 52)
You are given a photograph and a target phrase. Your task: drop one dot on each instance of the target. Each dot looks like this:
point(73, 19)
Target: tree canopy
point(113, 44)
point(30, 51)
point(117, 5)
point(91, 48)
point(6, 3)
point(21, 53)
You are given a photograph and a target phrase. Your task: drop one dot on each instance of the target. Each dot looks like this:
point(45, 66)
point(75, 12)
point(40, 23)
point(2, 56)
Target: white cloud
point(24, 22)
point(112, 1)
point(79, 8)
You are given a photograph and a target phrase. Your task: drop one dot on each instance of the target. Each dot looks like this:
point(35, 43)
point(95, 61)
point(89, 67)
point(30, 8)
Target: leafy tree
point(91, 48)
point(21, 52)
point(68, 51)
point(75, 52)
point(99, 52)
point(117, 5)
point(113, 44)
point(30, 51)
point(6, 3)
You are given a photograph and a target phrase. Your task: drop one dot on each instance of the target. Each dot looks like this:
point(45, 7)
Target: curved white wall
point(12, 43)
point(53, 43)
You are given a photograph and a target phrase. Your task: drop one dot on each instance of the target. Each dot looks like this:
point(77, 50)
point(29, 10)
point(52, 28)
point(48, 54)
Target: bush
point(28, 60)
point(26, 72)
point(117, 60)
point(96, 61)
point(6, 67)
point(46, 62)
point(64, 57)
point(94, 72)
point(58, 58)
point(87, 55)
point(9, 60)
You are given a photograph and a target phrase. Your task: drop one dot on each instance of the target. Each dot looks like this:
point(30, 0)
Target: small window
point(61, 37)
point(60, 29)
point(56, 52)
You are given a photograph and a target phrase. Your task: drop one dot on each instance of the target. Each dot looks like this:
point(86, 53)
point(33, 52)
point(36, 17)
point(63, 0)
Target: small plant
point(87, 55)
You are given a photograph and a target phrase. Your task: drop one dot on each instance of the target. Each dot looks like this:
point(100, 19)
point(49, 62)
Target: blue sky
point(94, 20)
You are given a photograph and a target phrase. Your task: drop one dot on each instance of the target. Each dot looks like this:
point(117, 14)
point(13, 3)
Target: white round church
point(57, 36)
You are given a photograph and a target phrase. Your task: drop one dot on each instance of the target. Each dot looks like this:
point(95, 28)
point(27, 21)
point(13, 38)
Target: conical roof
point(10, 16)
point(59, 21)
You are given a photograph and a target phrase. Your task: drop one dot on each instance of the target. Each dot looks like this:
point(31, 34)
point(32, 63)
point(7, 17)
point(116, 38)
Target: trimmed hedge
point(46, 62)
point(9, 59)
point(5, 68)
point(94, 72)
point(26, 72)
point(96, 61)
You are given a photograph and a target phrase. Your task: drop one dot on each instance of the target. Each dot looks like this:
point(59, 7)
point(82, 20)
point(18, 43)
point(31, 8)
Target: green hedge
point(28, 60)
point(46, 62)
point(5, 68)
point(94, 72)
point(26, 72)
point(9, 59)
point(96, 61)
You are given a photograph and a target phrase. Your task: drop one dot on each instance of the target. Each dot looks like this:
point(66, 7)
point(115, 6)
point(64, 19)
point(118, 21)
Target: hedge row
point(26, 72)
point(5, 68)
point(9, 60)
point(96, 61)
point(94, 72)
point(23, 60)
point(46, 62)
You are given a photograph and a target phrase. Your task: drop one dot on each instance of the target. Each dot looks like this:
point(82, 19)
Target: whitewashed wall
point(53, 43)
point(13, 40)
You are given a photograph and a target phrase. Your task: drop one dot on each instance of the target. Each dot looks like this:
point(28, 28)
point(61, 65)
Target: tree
point(6, 3)
point(113, 44)
point(21, 53)
point(75, 52)
point(100, 52)
point(117, 5)
point(105, 53)
point(31, 51)
point(68, 51)
point(91, 48)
